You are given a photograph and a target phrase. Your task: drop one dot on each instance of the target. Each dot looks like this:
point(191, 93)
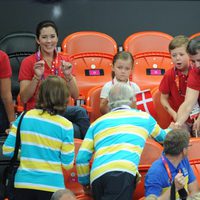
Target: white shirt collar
point(123, 107)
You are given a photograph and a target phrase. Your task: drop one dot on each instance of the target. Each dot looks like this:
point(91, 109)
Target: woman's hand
point(39, 68)
point(66, 68)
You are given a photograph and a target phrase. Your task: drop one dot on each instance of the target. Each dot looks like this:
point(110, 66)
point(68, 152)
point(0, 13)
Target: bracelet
point(36, 78)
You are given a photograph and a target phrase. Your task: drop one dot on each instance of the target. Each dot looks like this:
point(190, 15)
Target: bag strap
point(182, 193)
point(18, 141)
point(173, 192)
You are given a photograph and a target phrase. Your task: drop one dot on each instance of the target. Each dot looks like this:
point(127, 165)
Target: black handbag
point(8, 177)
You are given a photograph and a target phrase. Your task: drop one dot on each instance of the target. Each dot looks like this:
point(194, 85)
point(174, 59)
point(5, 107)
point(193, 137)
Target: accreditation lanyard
point(55, 66)
point(167, 169)
point(177, 81)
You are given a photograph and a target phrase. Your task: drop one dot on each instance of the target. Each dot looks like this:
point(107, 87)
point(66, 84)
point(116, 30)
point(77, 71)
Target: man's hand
point(179, 181)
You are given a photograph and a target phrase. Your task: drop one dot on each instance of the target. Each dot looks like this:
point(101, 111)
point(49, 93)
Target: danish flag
point(195, 111)
point(144, 102)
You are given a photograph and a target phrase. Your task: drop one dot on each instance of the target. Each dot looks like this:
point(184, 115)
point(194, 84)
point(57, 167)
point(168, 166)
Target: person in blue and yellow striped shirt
point(116, 141)
point(47, 143)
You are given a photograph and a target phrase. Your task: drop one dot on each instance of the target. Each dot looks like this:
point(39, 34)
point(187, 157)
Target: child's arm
point(166, 105)
point(104, 106)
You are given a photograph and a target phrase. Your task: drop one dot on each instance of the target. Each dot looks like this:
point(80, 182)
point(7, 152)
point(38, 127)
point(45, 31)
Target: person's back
point(47, 143)
point(117, 140)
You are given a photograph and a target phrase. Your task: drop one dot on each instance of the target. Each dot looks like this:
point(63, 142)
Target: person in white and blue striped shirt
point(116, 141)
point(47, 143)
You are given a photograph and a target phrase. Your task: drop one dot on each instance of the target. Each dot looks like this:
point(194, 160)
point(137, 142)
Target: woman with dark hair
point(47, 143)
point(47, 61)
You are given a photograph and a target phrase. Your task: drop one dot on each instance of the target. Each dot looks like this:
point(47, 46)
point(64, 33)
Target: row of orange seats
point(92, 53)
point(152, 151)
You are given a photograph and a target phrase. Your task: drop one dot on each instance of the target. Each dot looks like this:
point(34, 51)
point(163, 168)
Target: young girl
point(121, 70)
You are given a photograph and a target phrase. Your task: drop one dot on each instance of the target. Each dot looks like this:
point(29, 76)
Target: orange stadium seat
point(151, 152)
point(91, 54)
point(152, 58)
point(162, 116)
point(93, 103)
point(194, 35)
point(140, 190)
point(193, 150)
point(84, 197)
point(195, 164)
point(70, 176)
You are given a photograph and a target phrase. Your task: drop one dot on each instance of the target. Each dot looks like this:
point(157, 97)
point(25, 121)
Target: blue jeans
point(79, 117)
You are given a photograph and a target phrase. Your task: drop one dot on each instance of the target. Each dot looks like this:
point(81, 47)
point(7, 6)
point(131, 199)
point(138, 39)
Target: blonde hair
point(179, 41)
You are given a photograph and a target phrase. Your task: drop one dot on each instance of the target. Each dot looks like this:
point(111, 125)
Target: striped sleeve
point(67, 150)
point(83, 158)
point(9, 145)
point(156, 131)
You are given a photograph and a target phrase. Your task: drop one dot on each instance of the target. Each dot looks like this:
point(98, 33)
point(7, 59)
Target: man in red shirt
point(174, 82)
point(7, 114)
point(193, 87)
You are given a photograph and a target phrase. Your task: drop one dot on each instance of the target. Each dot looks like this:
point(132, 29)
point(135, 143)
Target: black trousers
point(114, 186)
point(28, 194)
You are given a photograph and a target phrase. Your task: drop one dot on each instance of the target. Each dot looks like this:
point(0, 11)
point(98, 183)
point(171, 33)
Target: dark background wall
point(117, 18)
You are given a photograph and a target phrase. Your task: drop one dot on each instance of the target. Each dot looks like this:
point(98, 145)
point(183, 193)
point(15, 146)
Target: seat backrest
point(91, 54)
point(89, 42)
point(152, 58)
point(70, 176)
point(193, 150)
point(195, 164)
point(17, 46)
point(140, 189)
point(162, 116)
point(194, 35)
point(93, 103)
point(151, 152)
point(147, 41)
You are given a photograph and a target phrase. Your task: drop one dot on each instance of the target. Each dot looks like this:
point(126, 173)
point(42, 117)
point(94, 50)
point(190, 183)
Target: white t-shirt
point(106, 88)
